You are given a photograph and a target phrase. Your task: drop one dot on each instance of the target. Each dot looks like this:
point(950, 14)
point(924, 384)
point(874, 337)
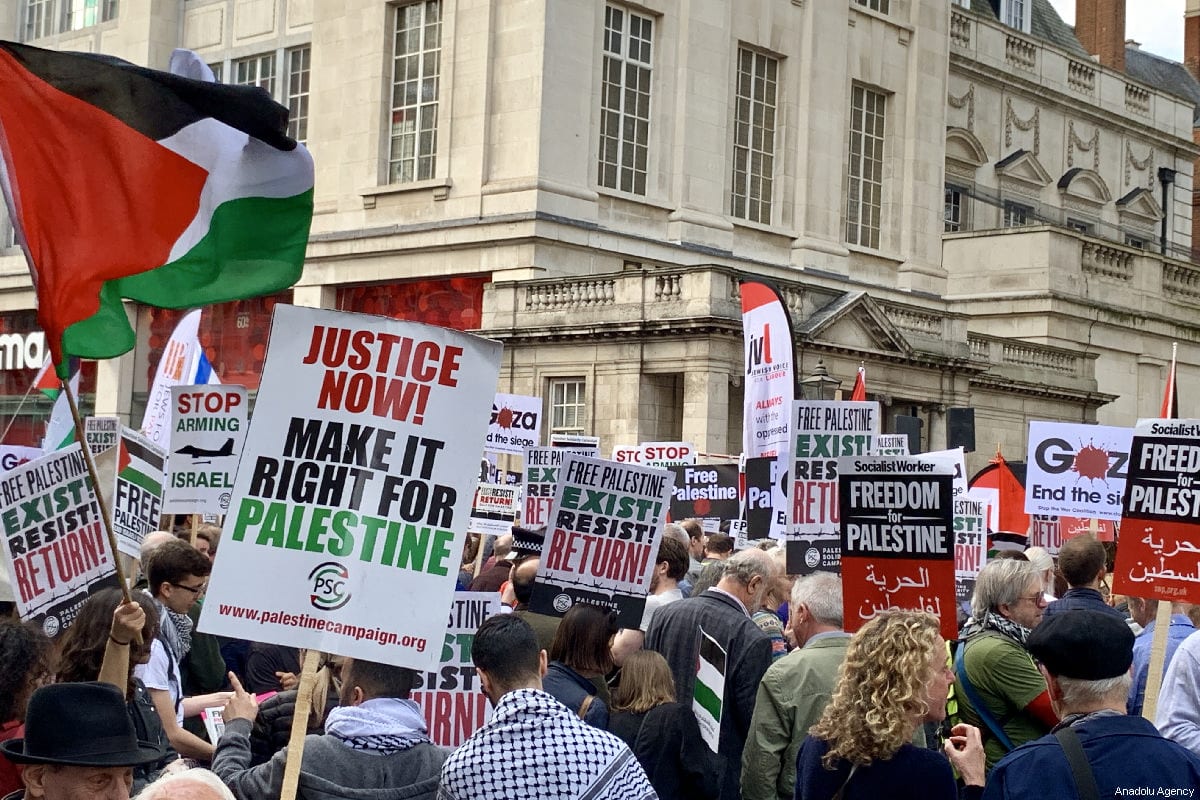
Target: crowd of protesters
point(1040, 696)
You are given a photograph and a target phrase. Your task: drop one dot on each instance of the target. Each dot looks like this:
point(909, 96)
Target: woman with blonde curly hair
point(894, 679)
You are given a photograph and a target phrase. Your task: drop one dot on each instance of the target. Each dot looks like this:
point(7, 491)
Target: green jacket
point(790, 700)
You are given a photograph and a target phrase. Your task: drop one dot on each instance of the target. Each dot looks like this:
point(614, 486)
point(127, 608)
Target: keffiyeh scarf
point(385, 725)
point(1001, 625)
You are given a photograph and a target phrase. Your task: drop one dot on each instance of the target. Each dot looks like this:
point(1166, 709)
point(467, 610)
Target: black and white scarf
point(998, 623)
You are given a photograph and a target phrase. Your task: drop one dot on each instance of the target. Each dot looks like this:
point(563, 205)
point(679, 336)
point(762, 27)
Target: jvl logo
point(329, 591)
point(760, 349)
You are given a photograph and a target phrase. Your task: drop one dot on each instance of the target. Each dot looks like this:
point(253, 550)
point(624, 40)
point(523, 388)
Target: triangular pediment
point(964, 149)
point(1084, 185)
point(1023, 167)
point(855, 320)
point(1140, 204)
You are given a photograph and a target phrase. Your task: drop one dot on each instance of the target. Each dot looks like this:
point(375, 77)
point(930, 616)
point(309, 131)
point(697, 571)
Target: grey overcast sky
point(1157, 24)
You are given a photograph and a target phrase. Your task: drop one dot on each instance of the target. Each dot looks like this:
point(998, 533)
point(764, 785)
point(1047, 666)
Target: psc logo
point(329, 591)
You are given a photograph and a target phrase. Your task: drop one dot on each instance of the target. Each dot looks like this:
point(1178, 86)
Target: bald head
point(523, 578)
point(504, 544)
point(153, 540)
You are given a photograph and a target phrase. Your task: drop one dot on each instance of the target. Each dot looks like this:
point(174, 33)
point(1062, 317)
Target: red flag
point(1170, 403)
point(859, 392)
point(1009, 489)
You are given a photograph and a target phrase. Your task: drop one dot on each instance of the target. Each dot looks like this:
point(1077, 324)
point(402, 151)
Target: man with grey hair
point(723, 614)
point(1085, 657)
point(192, 784)
point(796, 688)
point(999, 689)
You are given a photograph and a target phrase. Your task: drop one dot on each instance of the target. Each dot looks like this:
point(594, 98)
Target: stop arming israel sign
point(355, 487)
point(208, 426)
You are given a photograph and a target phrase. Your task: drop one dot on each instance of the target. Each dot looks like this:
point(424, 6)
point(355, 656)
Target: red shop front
point(24, 411)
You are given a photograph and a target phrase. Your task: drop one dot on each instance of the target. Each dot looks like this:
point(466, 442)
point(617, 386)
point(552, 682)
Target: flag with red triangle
point(859, 392)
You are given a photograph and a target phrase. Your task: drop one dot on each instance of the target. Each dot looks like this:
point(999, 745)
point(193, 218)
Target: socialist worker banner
point(1076, 470)
point(450, 697)
point(605, 525)
point(897, 537)
point(1159, 552)
point(770, 388)
point(208, 427)
point(355, 487)
point(55, 548)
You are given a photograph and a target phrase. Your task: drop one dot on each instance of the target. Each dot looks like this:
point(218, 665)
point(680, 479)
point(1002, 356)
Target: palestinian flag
point(125, 182)
point(138, 493)
point(709, 691)
point(60, 428)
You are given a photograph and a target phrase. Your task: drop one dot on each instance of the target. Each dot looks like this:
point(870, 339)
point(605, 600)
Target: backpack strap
point(1081, 770)
point(842, 789)
point(995, 728)
point(585, 705)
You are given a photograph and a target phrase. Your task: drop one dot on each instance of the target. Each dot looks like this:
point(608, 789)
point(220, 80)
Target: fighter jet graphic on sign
point(200, 452)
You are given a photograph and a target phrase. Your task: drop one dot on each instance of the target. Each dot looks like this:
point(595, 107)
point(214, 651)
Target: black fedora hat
point(82, 725)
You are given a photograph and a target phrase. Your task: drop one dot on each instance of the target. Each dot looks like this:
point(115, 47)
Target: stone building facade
point(953, 193)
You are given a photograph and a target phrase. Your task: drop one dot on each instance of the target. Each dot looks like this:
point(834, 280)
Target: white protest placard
point(604, 529)
point(1076, 470)
point(355, 487)
point(14, 455)
point(970, 543)
point(590, 445)
point(450, 697)
point(824, 431)
point(55, 548)
point(542, 465)
point(208, 426)
point(656, 454)
point(891, 444)
point(515, 425)
point(137, 492)
point(494, 509)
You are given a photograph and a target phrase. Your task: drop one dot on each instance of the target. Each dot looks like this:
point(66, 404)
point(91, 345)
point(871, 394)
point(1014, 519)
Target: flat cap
point(1086, 645)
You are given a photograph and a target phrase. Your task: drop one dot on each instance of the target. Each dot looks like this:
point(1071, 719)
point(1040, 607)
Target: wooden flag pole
point(1158, 657)
point(105, 515)
point(295, 748)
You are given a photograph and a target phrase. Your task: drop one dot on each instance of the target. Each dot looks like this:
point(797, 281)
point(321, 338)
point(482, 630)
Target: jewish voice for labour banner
point(208, 427)
point(450, 696)
point(1159, 554)
point(605, 526)
point(355, 487)
point(55, 548)
point(897, 538)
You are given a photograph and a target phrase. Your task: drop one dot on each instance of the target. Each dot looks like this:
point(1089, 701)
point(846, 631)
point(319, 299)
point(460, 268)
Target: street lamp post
point(819, 385)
